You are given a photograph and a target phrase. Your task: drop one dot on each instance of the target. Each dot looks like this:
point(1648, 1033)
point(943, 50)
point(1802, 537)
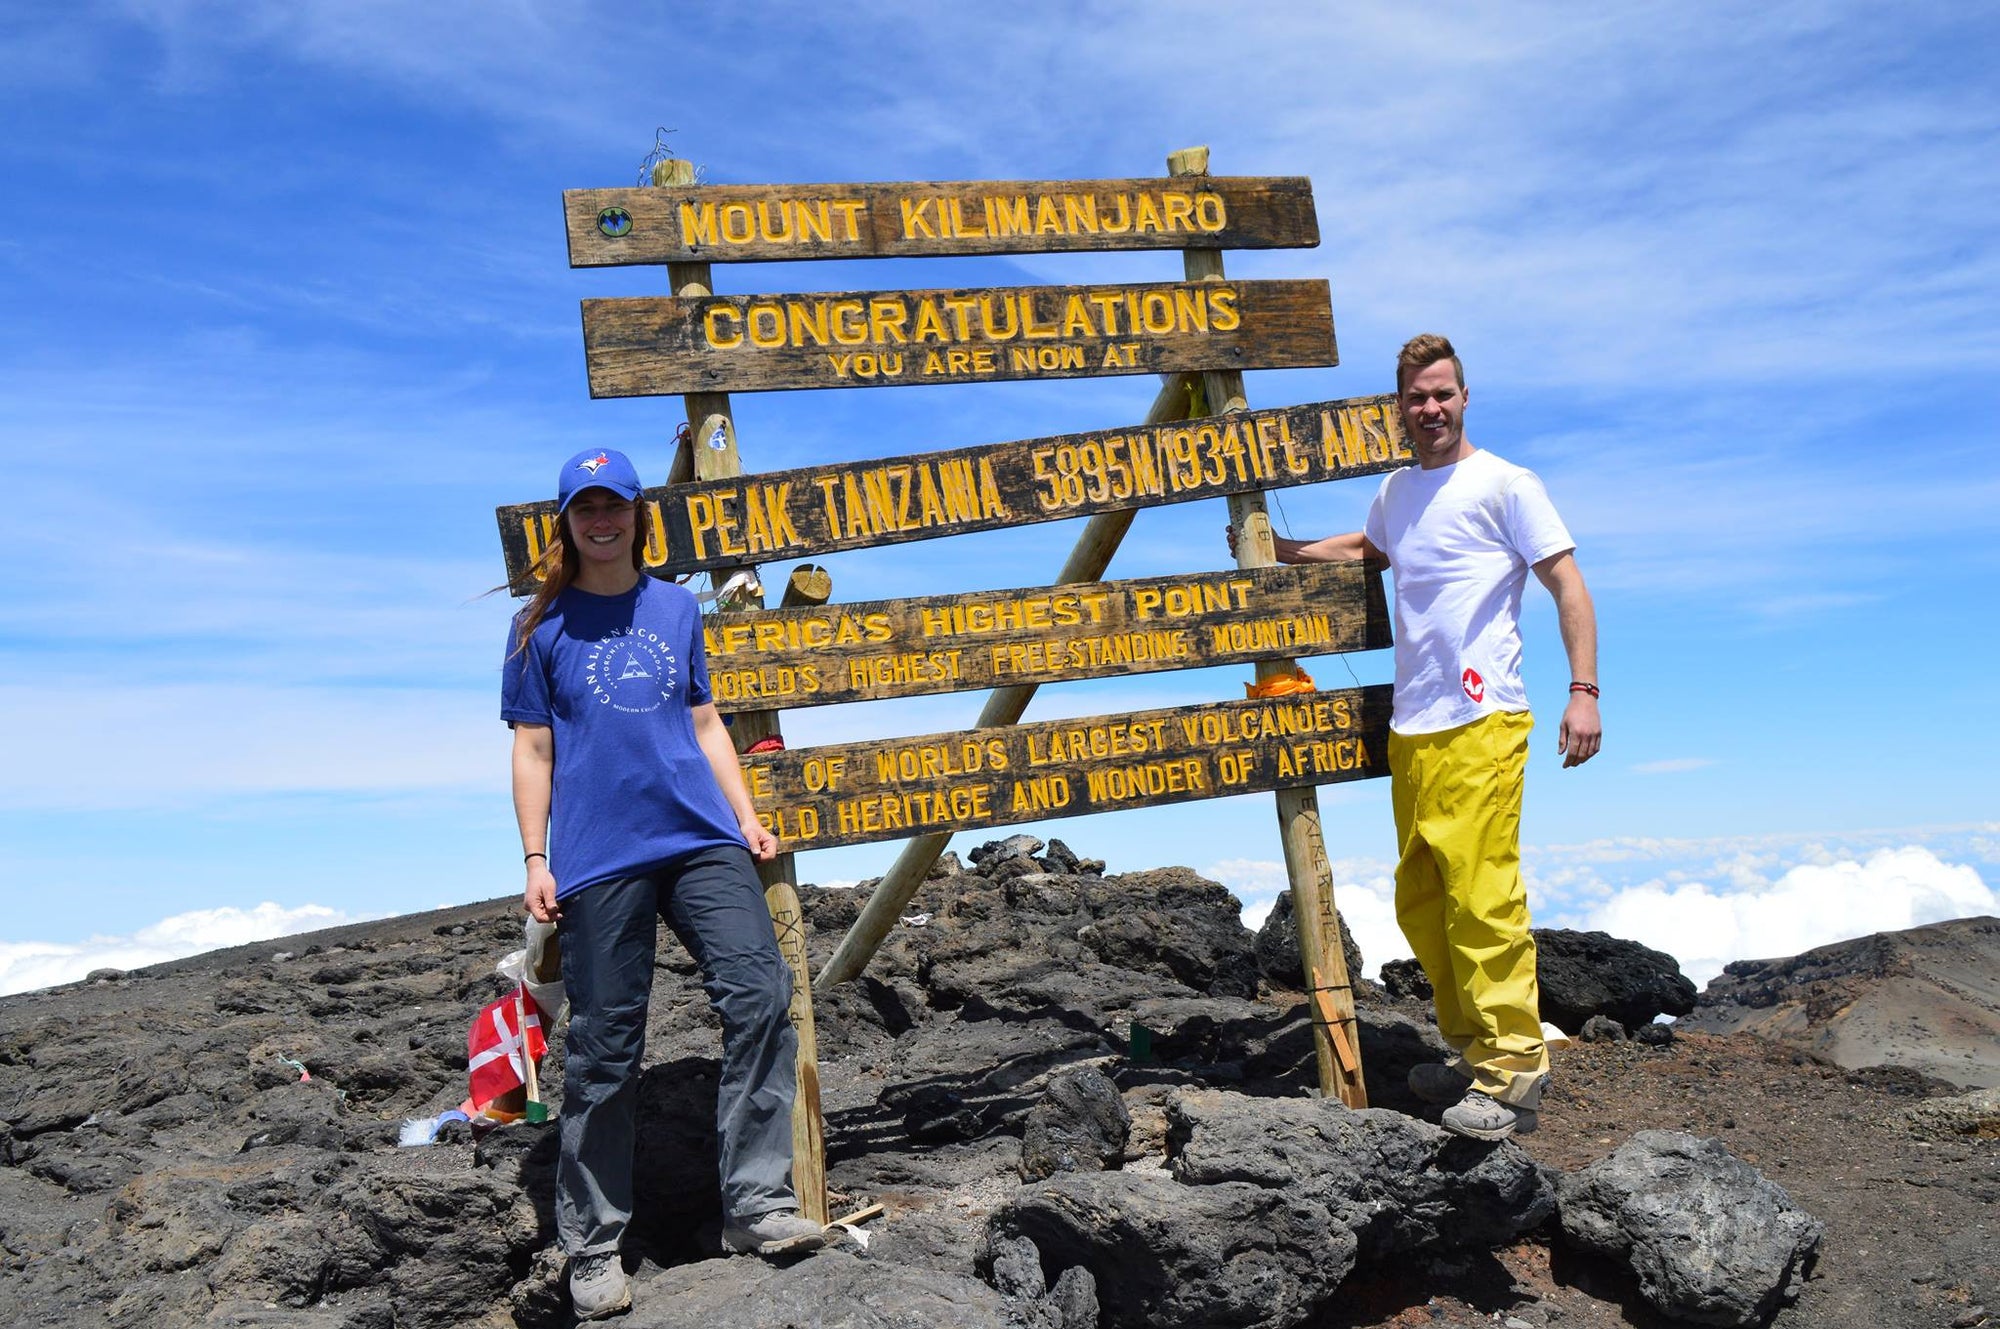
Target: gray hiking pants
point(715, 904)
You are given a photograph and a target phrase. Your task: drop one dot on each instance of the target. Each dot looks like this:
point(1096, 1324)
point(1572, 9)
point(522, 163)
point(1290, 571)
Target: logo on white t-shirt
point(1474, 685)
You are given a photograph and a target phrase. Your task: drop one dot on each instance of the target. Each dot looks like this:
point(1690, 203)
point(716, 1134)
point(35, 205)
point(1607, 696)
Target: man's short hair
point(1422, 351)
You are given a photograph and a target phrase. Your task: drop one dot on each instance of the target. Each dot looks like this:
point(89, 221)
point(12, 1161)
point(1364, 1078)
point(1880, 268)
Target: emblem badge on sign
point(614, 223)
point(1474, 685)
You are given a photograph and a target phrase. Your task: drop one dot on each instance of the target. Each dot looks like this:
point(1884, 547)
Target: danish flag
point(493, 1047)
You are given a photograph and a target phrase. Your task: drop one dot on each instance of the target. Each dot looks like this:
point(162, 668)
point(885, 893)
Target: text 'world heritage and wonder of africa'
point(855, 793)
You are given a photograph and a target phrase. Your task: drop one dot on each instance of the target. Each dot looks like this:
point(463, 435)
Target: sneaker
point(780, 1232)
point(1436, 1083)
point(1483, 1117)
point(597, 1286)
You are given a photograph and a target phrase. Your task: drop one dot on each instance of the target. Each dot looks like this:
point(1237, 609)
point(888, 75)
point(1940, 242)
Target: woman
point(632, 806)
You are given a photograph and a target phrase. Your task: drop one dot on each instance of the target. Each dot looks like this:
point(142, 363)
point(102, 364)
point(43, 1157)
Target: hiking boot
point(597, 1286)
point(1483, 1117)
point(780, 1232)
point(1438, 1084)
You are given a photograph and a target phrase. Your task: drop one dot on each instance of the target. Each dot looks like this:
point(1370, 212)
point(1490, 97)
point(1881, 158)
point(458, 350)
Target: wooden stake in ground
point(713, 446)
point(808, 1127)
point(1306, 862)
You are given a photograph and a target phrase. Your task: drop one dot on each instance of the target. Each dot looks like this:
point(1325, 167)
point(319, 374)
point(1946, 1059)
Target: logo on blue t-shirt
point(631, 670)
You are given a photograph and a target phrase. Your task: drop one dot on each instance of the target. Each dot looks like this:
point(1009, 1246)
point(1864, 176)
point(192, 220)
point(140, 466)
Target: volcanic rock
point(1169, 1256)
point(1080, 1125)
point(1278, 947)
point(1593, 973)
point(1402, 1186)
point(748, 1293)
point(1927, 999)
point(1709, 1239)
point(1405, 980)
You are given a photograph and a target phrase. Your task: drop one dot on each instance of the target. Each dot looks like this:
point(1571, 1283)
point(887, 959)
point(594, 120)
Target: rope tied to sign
point(1281, 685)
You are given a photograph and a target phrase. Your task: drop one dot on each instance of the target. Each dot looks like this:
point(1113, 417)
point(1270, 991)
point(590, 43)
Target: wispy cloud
point(36, 964)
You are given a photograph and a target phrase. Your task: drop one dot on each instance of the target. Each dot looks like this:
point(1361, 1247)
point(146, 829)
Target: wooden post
point(1331, 1000)
point(713, 445)
point(1087, 562)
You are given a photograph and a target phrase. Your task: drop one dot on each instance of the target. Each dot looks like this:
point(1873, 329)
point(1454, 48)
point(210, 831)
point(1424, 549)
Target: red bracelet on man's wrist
point(1590, 688)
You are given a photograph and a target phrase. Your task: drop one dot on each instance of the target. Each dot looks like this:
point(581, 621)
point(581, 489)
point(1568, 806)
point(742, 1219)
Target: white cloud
point(1363, 891)
point(1705, 927)
point(36, 964)
point(1673, 765)
point(1704, 902)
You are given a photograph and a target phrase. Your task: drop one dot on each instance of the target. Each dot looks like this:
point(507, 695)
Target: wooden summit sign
point(813, 511)
point(753, 223)
point(889, 789)
point(868, 339)
point(953, 643)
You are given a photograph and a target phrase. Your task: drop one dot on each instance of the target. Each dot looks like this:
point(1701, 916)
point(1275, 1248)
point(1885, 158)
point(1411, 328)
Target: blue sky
point(288, 314)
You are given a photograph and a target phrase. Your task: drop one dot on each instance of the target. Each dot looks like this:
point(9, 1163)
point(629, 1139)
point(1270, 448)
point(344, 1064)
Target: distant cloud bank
point(39, 964)
point(1704, 902)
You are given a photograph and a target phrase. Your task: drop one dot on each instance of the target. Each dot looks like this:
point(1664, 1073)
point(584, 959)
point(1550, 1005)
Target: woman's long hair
point(557, 568)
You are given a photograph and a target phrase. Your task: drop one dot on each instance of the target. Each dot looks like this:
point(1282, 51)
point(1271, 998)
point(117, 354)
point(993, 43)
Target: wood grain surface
point(891, 789)
point(809, 512)
point(761, 223)
point(656, 345)
point(1047, 634)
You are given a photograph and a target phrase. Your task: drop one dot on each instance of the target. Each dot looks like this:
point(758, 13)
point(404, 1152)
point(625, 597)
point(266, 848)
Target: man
point(1460, 533)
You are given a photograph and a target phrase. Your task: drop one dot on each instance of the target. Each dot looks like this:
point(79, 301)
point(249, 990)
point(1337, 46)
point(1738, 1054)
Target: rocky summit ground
point(163, 1162)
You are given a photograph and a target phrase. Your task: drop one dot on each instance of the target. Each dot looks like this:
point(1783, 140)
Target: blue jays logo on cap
point(597, 468)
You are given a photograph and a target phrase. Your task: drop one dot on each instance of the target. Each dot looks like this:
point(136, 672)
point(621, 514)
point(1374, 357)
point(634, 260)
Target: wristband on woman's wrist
point(1590, 688)
point(535, 854)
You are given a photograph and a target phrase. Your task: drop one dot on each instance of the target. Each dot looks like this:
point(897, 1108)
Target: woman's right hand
point(540, 897)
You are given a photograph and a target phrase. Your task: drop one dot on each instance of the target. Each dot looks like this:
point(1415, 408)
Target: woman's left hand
point(763, 844)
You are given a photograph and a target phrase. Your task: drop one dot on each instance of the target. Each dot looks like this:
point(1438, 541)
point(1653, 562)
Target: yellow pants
point(1459, 898)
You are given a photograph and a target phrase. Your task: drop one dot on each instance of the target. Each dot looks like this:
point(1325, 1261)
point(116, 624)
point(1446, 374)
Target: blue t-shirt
point(616, 676)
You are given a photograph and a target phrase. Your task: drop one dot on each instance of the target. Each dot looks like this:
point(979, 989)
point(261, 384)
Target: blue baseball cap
point(596, 468)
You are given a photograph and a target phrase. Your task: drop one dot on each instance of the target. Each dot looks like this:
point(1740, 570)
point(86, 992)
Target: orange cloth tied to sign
point(1281, 685)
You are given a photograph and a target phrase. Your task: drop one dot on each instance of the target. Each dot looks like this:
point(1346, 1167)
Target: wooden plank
point(891, 789)
point(812, 511)
point(715, 457)
point(653, 345)
point(956, 643)
point(762, 223)
point(1306, 863)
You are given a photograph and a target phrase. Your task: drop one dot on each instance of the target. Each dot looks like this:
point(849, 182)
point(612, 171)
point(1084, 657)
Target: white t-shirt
point(1460, 540)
